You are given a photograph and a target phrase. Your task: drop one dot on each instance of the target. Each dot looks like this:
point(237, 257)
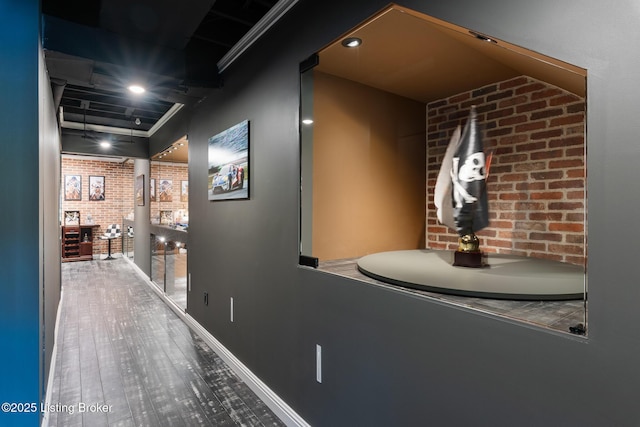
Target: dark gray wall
point(49, 208)
point(390, 358)
point(141, 242)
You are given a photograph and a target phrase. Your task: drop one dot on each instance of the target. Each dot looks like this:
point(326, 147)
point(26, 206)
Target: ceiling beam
point(261, 27)
point(213, 41)
point(232, 18)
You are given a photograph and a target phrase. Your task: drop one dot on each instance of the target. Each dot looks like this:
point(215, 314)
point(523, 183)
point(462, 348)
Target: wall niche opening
point(376, 120)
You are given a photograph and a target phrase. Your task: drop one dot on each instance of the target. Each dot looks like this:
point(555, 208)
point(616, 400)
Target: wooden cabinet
point(77, 242)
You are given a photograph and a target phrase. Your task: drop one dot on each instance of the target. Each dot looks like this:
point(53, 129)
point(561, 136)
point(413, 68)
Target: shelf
point(77, 242)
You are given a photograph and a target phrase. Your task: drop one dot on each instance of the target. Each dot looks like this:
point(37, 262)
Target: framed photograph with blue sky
point(228, 176)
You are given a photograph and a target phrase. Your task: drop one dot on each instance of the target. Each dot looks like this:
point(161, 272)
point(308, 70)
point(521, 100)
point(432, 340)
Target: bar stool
point(112, 232)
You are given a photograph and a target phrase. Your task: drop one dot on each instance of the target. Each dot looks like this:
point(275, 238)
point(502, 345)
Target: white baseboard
point(271, 399)
point(52, 366)
point(279, 407)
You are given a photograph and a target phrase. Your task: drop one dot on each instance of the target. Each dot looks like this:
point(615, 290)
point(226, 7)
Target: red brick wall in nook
point(177, 202)
point(118, 200)
point(536, 182)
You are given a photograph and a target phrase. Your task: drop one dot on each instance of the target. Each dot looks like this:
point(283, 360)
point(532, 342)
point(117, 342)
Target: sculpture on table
point(460, 193)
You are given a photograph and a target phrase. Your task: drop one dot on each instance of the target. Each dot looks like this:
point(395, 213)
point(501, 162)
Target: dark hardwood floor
point(122, 349)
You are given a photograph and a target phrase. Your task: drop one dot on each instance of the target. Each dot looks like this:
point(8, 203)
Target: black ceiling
point(95, 49)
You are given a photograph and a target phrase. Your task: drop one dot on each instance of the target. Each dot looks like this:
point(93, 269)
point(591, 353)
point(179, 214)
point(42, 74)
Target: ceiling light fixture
point(137, 89)
point(307, 122)
point(351, 42)
point(105, 144)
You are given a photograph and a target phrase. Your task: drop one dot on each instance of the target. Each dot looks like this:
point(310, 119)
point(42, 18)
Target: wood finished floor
point(119, 345)
point(556, 315)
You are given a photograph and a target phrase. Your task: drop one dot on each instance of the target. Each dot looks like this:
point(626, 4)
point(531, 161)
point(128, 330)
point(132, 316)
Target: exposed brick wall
point(176, 173)
point(536, 184)
point(118, 178)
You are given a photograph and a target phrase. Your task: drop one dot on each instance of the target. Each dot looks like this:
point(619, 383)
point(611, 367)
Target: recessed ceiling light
point(105, 144)
point(307, 121)
point(137, 89)
point(351, 42)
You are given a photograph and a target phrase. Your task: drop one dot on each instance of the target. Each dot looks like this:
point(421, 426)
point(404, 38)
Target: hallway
point(123, 350)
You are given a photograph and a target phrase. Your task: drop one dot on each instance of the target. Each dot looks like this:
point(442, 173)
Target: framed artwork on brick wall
point(139, 190)
point(96, 188)
point(165, 190)
point(71, 217)
point(152, 190)
point(184, 191)
point(166, 217)
point(73, 187)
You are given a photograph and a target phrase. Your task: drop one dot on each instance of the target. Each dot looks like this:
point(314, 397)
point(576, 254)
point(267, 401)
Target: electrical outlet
point(318, 363)
point(231, 310)
point(206, 298)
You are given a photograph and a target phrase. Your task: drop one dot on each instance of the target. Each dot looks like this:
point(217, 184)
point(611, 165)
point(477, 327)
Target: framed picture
point(71, 217)
point(96, 188)
point(139, 190)
point(152, 190)
point(229, 163)
point(184, 191)
point(166, 217)
point(165, 190)
point(73, 187)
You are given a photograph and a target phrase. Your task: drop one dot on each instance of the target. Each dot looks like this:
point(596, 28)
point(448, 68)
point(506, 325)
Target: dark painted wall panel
point(50, 203)
point(142, 244)
point(174, 129)
point(391, 358)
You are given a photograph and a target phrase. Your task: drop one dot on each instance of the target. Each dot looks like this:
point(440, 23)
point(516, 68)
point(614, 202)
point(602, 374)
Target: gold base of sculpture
point(468, 253)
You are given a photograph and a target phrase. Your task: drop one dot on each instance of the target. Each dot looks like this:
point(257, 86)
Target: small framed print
point(139, 190)
point(72, 188)
point(184, 191)
point(71, 217)
point(165, 191)
point(166, 217)
point(152, 190)
point(96, 188)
